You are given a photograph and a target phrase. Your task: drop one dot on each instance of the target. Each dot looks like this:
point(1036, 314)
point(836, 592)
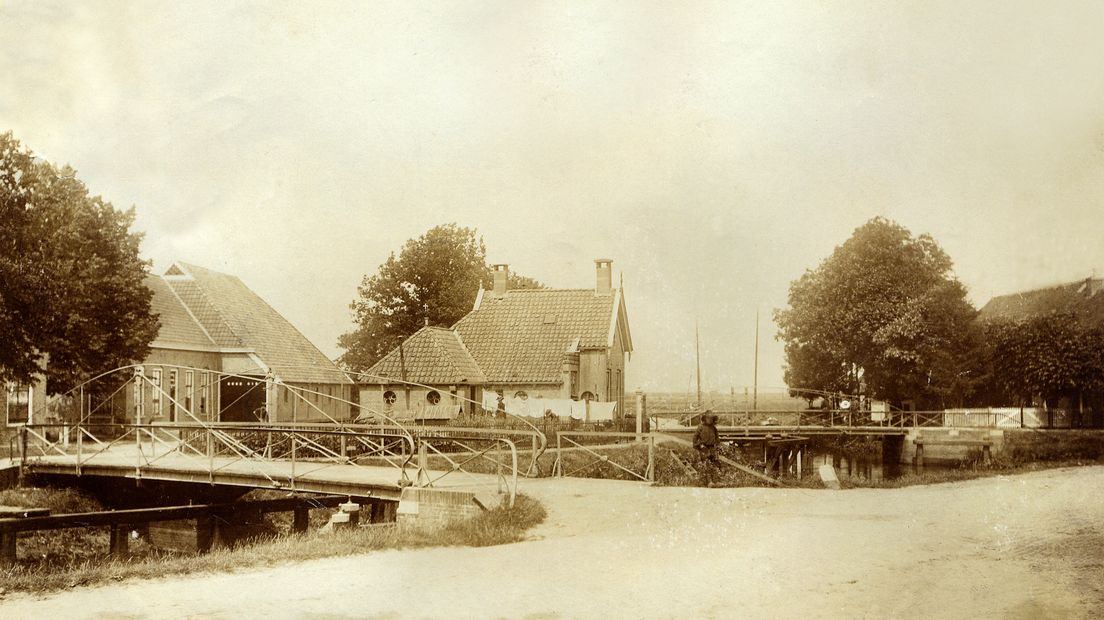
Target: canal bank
point(870, 459)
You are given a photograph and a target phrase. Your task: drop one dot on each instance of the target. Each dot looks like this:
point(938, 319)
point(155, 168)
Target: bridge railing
point(215, 447)
point(825, 418)
point(594, 455)
point(467, 456)
point(307, 447)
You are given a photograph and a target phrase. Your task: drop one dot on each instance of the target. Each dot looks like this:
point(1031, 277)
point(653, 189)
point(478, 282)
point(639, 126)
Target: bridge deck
point(759, 431)
point(305, 476)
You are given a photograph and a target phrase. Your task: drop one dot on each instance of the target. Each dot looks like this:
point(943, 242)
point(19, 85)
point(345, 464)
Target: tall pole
point(697, 360)
point(402, 374)
point(755, 380)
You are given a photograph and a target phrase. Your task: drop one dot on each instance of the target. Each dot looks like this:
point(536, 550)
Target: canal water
point(870, 467)
point(863, 458)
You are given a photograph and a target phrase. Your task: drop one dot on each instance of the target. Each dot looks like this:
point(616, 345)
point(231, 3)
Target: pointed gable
point(236, 317)
point(432, 356)
point(178, 327)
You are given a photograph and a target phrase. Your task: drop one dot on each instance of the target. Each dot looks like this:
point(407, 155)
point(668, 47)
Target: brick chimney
point(501, 278)
point(603, 268)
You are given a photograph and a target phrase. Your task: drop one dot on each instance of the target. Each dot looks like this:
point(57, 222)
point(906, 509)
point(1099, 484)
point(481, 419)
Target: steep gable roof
point(178, 327)
point(1082, 297)
point(524, 335)
point(235, 316)
point(433, 355)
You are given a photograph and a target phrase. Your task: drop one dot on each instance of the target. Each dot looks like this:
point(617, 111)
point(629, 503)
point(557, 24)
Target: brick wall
point(435, 507)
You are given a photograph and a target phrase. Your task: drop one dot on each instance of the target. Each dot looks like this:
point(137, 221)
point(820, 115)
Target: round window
point(389, 397)
point(433, 397)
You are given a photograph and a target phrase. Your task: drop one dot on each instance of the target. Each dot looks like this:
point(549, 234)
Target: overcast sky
point(713, 151)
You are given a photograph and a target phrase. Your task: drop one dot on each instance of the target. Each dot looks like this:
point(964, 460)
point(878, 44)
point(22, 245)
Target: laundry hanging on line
point(490, 401)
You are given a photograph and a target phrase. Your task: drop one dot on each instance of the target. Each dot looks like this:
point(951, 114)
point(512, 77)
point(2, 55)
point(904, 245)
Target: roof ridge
point(191, 266)
point(464, 348)
point(442, 352)
point(289, 324)
point(1049, 287)
point(191, 314)
point(218, 311)
point(548, 290)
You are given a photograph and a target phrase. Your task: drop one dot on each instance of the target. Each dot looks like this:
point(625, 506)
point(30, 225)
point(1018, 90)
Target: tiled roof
point(177, 326)
point(1083, 297)
point(236, 317)
point(189, 292)
point(523, 336)
point(433, 356)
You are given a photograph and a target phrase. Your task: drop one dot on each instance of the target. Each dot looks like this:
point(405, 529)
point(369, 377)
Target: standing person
point(706, 440)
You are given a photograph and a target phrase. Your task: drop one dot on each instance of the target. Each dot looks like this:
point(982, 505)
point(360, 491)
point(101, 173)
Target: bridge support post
point(7, 548)
point(118, 544)
point(300, 520)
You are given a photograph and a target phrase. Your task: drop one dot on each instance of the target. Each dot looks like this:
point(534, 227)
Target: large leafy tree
point(71, 292)
point(1044, 355)
point(883, 316)
point(434, 279)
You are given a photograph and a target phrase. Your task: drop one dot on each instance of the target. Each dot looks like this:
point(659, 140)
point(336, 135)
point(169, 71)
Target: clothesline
point(589, 411)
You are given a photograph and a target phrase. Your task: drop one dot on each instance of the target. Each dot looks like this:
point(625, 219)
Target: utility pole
point(755, 380)
point(697, 360)
point(402, 373)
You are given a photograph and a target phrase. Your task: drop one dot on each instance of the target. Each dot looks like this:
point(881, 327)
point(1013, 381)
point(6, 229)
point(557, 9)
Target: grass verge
point(494, 527)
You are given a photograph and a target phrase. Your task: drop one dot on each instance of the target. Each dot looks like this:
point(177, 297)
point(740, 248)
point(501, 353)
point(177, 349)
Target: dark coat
point(706, 436)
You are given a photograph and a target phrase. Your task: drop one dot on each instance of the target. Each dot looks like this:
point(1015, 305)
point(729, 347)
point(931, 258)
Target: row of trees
point(71, 290)
point(884, 317)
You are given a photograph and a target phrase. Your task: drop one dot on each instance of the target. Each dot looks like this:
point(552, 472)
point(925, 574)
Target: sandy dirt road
point(1026, 546)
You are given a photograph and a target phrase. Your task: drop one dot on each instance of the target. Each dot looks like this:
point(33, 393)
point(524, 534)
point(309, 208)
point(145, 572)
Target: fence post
point(138, 444)
point(22, 453)
point(80, 448)
point(914, 418)
point(534, 466)
point(650, 473)
point(639, 414)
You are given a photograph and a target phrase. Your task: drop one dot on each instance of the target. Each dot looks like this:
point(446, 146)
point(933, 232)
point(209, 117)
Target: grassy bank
point(78, 557)
point(1023, 446)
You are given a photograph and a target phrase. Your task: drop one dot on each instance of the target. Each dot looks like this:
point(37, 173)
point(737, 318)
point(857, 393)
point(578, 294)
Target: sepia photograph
point(340, 309)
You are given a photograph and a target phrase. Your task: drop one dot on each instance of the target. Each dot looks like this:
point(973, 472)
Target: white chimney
point(603, 268)
point(501, 277)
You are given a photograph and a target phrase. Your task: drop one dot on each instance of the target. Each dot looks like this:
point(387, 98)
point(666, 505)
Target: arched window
point(588, 396)
point(521, 394)
point(433, 397)
point(389, 397)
